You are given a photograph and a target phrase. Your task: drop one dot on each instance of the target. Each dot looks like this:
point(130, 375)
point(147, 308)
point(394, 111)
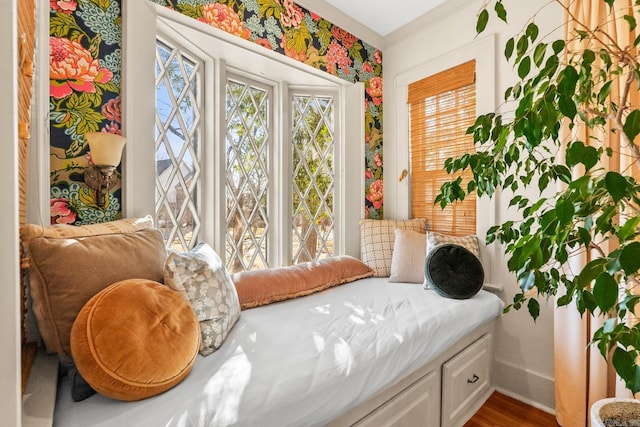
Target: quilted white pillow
point(409, 253)
point(377, 237)
point(204, 281)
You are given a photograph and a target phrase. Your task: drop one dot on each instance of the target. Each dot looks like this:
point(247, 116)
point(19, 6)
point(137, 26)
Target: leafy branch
point(595, 209)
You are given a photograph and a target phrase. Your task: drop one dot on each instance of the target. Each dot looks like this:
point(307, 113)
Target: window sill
point(39, 397)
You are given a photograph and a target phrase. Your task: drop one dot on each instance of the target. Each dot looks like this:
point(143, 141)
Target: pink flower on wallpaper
point(315, 16)
point(337, 54)
point(112, 127)
point(375, 195)
point(374, 89)
point(368, 174)
point(367, 67)
point(377, 160)
point(225, 18)
point(64, 6)
point(264, 43)
point(291, 52)
point(112, 110)
point(72, 68)
point(292, 14)
point(61, 213)
point(343, 36)
point(377, 55)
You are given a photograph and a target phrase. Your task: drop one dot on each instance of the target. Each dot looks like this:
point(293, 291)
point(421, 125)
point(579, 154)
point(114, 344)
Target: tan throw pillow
point(470, 242)
point(135, 339)
point(70, 264)
point(260, 287)
point(202, 279)
point(377, 238)
point(409, 253)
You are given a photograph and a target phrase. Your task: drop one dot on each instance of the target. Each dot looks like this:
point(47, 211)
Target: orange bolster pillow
point(260, 287)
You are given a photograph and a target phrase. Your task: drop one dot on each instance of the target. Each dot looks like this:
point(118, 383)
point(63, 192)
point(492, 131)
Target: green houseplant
point(596, 209)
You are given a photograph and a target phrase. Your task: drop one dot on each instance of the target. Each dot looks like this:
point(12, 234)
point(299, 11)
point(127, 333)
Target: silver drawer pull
point(473, 379)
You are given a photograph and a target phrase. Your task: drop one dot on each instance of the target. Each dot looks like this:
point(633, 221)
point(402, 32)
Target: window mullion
point(283, 171)
point(212, 153)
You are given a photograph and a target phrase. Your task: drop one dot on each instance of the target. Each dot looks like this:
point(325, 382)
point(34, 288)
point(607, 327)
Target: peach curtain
point(581, 375)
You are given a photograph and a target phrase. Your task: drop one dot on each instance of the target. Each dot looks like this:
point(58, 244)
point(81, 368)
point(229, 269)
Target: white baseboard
point(524, 385)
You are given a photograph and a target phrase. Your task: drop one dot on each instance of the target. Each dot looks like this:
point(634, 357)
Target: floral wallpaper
point(85, 82)
point(84, 74)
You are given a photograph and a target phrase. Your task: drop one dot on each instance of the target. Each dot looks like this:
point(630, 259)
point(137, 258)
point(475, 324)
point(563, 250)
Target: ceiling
point(383, 16)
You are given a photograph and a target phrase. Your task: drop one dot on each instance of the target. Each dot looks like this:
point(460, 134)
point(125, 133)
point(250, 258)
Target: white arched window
point(251, 159)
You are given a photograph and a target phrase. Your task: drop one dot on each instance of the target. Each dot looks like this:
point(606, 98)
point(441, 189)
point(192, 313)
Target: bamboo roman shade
point(442, 108)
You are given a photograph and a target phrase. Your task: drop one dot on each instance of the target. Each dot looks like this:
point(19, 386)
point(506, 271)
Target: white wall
point(524, 349)
point(9, 261)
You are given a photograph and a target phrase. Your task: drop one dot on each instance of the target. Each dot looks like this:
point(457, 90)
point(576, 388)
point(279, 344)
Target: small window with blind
point(442, 107)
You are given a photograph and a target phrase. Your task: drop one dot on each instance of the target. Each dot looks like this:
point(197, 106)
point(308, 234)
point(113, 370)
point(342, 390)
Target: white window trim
point(275, 208)
point(138, 118)
point(10, 333)
point(205, 127)
point(339, 167)
point(139, 122)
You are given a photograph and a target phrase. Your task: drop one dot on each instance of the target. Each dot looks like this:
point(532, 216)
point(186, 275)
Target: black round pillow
point(453, 271)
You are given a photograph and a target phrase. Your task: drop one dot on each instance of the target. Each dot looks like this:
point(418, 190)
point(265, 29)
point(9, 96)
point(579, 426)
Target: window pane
point(247, 141)
point(178, 112)
point(313, 177)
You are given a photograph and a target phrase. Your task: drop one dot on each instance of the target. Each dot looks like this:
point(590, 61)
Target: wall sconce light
point(106, 151)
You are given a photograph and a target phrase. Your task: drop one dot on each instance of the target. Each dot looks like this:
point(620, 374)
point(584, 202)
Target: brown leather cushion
point(260, 287)
point(70, 264)
point(135, 339)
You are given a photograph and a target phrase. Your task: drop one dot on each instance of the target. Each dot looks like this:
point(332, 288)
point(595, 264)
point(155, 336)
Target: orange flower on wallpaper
point(291, 52)
point(64, 6)
point(377, 160)
point(263, 42)
point(292, 15)
point(347, 39)
point(225, 18)
point(112, 110)
point(374, 89)
point(337, 54)
point(72, 68)
point(376, 193)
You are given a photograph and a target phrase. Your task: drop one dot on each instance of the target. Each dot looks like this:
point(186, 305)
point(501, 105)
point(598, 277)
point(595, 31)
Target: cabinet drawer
point(465, 380)
point(416, 405)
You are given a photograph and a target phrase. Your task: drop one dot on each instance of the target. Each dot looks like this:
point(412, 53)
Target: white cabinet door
point(466, 379)
point(416, 406)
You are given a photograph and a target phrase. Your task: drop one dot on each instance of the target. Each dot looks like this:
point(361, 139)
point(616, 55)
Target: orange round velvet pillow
point(135, 339)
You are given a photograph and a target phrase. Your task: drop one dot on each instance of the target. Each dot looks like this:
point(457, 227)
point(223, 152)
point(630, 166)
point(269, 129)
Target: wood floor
point(503, 411)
